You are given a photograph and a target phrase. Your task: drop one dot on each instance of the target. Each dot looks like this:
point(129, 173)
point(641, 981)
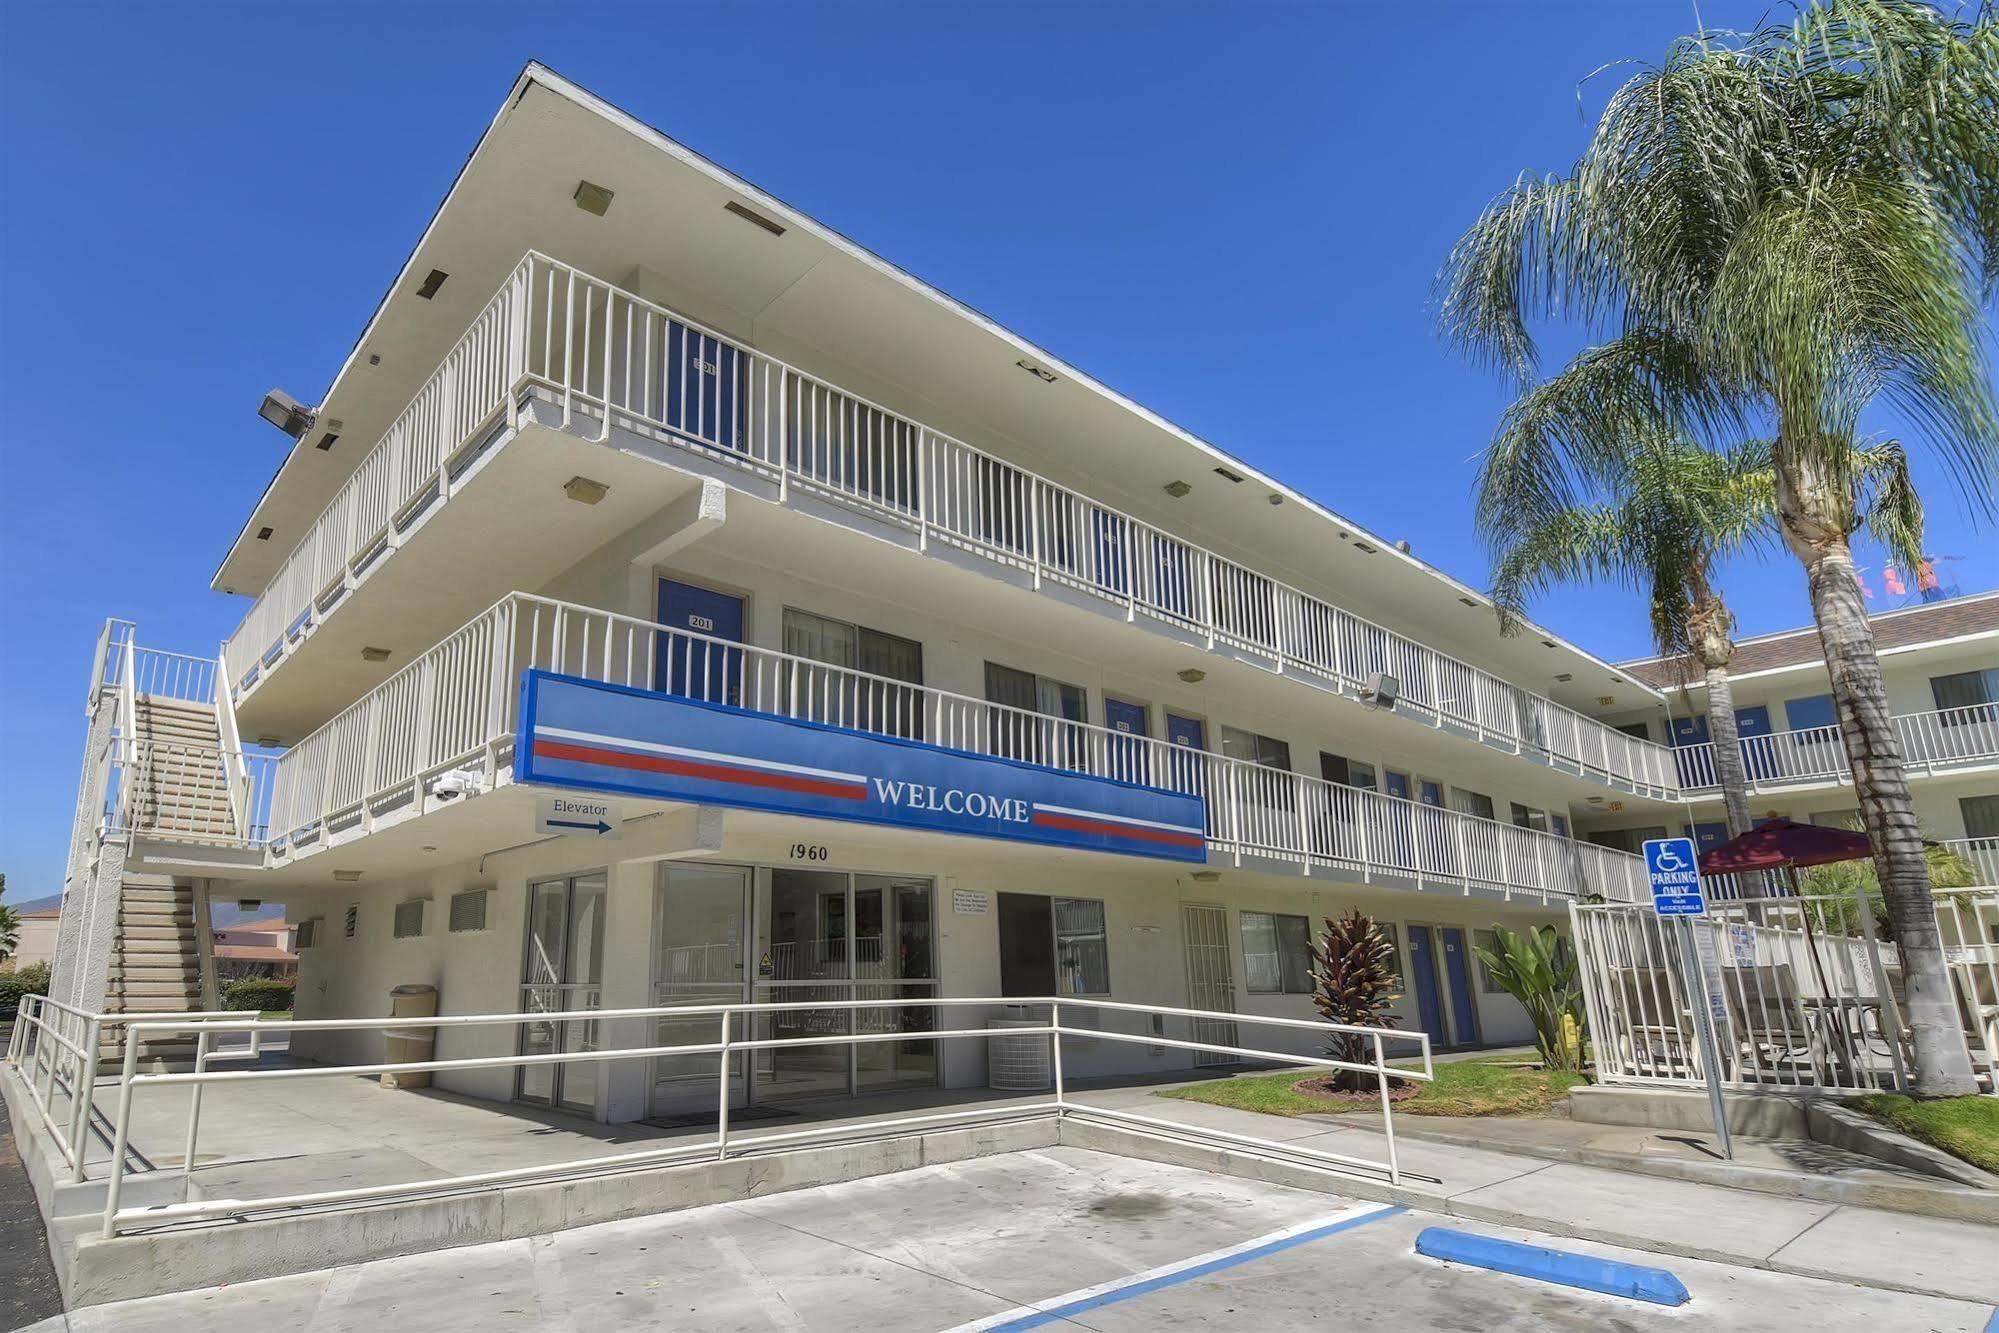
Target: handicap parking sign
point(1674, 871)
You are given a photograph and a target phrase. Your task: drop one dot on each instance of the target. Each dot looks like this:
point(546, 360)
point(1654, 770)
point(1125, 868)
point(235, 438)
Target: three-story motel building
point(670, 600)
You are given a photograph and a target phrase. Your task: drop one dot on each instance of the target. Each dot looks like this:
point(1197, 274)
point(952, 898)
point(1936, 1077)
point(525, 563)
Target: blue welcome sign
point(1675, 875)
point(611, 738)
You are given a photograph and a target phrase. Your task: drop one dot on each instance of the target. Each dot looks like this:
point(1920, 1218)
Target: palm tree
point(1771, 232)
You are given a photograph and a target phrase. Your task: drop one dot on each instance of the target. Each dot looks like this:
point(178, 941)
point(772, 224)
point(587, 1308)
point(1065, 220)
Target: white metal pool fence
point(42, 1048)
point(1803, 992)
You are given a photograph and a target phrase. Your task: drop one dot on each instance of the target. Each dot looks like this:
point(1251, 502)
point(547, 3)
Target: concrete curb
point(1843, 1127)
point(1105, 1137)
point(1943, 1199)
point(1612, 1277)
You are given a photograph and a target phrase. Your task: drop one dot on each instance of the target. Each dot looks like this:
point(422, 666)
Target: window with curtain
point(1347, 772)
point(1023, 699)
point(1974, 692)
point(848, 700)
point(1276, 953)
point(1262, 750)
point(1471, 803)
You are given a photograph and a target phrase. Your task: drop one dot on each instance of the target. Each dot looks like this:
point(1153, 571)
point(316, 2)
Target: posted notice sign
point(1674, 871)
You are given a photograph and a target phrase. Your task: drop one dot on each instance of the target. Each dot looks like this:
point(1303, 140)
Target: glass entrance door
point(698, 958)
point(563, 972)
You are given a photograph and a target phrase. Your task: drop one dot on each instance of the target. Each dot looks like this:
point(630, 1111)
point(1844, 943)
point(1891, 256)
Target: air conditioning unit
point(1383, 691)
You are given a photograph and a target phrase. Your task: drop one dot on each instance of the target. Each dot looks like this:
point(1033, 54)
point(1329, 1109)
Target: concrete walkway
point(260, 1140)
point(1057, 1237)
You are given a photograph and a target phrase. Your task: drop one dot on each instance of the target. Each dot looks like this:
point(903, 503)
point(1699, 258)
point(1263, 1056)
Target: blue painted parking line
point(1587, 1272)
point(1186, 1270)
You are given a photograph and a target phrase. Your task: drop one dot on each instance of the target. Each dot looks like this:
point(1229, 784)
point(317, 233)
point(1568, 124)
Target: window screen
point(1276, 953)
point(1082, 953)
point(468, 910)
point(409, 919)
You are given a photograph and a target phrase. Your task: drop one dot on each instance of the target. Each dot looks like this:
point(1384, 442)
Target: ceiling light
point(1229, 474)
point(1276, 499)
point(346, 876)
point(585, 491)
point(1605, 700)
point(431, 283)
point(429, 847)
point(374, 358)
point(1193, 675)
point(750, 215)
point(287, 413)
point(268, 742)
point(1176, 489)
point(592, 198)
point(1045, 376)
point(264, 534)
point(374, 654)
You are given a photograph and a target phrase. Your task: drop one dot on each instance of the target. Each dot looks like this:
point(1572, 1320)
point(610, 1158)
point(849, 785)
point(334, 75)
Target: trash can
point(409, 1045)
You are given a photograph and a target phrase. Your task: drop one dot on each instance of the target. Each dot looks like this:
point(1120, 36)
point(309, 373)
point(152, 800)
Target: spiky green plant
point(1540, 972)
point(1770, 232)
point(1353, 981)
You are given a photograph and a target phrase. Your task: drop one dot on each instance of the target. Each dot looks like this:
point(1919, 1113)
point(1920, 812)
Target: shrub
point(1353, 981)
point(257, 993)
point(1539, 970)
point(16, 982)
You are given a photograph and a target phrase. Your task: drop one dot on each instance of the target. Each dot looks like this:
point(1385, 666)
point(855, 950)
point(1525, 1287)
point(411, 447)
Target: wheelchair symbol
point(1669, 860)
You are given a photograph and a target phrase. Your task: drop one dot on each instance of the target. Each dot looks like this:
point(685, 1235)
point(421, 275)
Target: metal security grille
point(1210, 976)
point(353, 915)
point(409, 919)
point(468, 910)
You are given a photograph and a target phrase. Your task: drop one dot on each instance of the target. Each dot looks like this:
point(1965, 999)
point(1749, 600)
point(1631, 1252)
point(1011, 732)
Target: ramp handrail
point(140, 1028)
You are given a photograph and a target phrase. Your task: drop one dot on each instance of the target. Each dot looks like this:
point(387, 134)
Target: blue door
point(1423, 976)
point(1401, 820)
point(1129, 760)
point(1186, 733)
point(1696, 767)
point(706, 386)
point(1109, 531)
point(697, 668)
point(1457, 967)
point(1752, 729)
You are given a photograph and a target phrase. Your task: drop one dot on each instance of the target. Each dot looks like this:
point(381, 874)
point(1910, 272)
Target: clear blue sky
point(1233, 214)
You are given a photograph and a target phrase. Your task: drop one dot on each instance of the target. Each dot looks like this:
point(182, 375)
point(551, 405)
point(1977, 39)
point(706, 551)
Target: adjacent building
point(672, 601)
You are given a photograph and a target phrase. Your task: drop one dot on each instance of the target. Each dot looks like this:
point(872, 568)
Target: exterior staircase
point(156, 966)
point(180, 785)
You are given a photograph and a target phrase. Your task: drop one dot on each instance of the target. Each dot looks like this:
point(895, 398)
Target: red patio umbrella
point(1784, 843)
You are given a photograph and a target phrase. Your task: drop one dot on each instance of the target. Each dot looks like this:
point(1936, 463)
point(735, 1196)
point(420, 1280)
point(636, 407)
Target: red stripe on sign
point(693, 768)
point(1076, 825)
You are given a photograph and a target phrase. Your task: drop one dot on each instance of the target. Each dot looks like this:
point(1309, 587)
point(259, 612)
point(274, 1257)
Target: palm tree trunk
point(1729, 769)
point(1873, 752)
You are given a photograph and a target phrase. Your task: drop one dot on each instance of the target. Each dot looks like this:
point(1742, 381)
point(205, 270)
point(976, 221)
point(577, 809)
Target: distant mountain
point(48, 904)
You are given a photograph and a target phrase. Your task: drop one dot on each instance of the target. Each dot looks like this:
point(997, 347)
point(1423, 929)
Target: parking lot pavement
point(1060, 1237)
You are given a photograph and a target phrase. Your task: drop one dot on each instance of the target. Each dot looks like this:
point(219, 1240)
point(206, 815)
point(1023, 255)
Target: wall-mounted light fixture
point(287, 413)
point(1177, 489)
point(1193, 675)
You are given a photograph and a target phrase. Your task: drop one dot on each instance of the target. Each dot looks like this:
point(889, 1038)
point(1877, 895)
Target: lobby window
point(1053, 946)
point(890, 709)
point(1037, 719)
point(1276, 953)
point(1966, 697)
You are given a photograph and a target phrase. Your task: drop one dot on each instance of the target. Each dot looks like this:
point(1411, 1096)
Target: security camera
point(458, 782)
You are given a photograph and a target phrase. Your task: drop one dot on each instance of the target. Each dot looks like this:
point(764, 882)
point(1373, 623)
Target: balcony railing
point(1931, 742)
point(607, 356)
point(453, 708)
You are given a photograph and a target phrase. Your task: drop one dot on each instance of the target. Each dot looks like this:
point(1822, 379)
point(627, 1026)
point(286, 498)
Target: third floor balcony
point(558, 350)
point(1939, 742)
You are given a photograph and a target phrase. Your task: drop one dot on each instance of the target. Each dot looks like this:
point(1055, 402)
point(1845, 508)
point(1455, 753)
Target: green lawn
point(1966, 1127)
point(1463, 1087)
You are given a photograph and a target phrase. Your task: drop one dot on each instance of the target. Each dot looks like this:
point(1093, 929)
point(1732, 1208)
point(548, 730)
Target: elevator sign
point(1675, 875)
point(589, 736)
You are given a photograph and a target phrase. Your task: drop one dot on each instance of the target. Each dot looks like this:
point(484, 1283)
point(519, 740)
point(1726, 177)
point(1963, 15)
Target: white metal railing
point(57, 1047)
point(1981, 854)
point(1802, 990)
point(187, 793)
point(1367, 1044)
point(611, 355)
point(1942, 739)
point(454, 707)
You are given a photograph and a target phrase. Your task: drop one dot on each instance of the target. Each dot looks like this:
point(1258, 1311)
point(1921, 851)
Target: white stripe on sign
point(1057, 1308)
point(710, 756)
point(1116, 819)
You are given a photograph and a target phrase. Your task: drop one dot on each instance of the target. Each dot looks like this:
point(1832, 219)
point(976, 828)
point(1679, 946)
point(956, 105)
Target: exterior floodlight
point(287, 413)
point(1384, 690)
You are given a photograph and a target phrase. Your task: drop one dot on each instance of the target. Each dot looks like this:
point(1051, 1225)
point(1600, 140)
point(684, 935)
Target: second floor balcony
point(597, 360)
point(455, 710)
point(1942, 741)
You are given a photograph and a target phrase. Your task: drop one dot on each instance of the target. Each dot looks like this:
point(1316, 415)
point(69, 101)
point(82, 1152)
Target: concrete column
point(626, 1085)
